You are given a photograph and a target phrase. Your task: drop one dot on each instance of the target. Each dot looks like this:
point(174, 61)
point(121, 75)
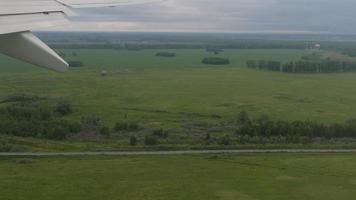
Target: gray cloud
point(328, 16)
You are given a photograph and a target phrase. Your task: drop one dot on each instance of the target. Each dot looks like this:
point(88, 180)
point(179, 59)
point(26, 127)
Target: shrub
point(133, 140)
point(207, 137)
point(243, 117)
point(91, 122)
point(29, 117)
point(127, 126)
point(166, 54)
point(63, 108)
point(133, 126)
point(74, 127)
point(105, 131)
point(121, 126)
point(21, 98)
point(5, 147)
point(216, 51)
point(151, 140)
point(160, 133)
point(225, 140)
point(58, 133)
point(75, 63)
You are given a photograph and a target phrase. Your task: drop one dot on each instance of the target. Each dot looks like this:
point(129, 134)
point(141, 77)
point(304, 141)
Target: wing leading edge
point(27, 47)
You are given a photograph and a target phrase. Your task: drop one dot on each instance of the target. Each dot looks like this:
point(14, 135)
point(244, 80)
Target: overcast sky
point(279, 16)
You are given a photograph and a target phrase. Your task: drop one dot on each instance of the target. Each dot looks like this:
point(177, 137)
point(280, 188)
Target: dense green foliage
point(216, 51)
point(265, 130)
point(303, 66)
point(166, 54)
point(36, 119)
point(75, 63)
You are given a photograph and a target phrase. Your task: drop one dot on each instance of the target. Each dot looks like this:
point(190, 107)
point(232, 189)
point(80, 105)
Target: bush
point(243, 117)
point(166, 54)
point(74, 127)
point(133, 126)
point(58, 133)
point(105, 131)
point(160, 133)
point(216, 51)
point(133, 140)
point(225, 140)
point(216, 61)
point(75, 63)
point(30, 117)
point(63, 108)
point(121, 126)
point(91, 122)
point(5, 147)
point(21, 98)
point(126, 126)
point(207, 137)
point(151, 140)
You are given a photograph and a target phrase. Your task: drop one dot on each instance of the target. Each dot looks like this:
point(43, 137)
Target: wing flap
point(11, 7)
point(102, 3)
point(23, 22)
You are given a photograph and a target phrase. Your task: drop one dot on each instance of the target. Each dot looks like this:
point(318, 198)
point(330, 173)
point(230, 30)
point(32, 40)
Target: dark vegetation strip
point(37, 117)
point(303, 66)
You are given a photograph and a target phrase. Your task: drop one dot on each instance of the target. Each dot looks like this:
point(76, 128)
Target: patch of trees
point(278, 131)
point(303, 66)
point(75, 63)
point(5, 147)
point(21, 98)
point(216, 61)
point(349, 52)
point(216, 51)
point(166, 54)
point(126, 126)
point(27, 118)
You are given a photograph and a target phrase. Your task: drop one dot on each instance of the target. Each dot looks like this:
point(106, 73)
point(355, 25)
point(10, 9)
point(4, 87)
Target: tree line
point(37, 117)
point(303, 66)
point(32, 116)
point(264, 129)
point(233, 44)
point(166, 54)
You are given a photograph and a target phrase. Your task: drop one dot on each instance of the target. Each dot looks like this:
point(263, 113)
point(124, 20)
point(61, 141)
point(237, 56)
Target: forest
point(303, 66)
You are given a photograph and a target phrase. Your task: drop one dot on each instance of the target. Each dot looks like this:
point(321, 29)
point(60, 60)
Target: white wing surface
point(19, 17)
point(100, 3)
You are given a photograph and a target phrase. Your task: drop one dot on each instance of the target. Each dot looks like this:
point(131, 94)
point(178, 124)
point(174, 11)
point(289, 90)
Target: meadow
point(224, 177)
point(181, 93)
point(166, 90)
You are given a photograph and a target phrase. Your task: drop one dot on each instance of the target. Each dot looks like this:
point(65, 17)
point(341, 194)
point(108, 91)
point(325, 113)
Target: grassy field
point(181, 94)
point(263, 177)
point(170, 91)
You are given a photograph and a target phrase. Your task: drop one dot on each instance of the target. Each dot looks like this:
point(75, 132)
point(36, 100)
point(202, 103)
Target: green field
point(181, 94)
point(171, 90)
point(252, 177)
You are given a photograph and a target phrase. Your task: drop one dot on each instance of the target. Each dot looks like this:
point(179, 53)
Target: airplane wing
point(100, 3)
point(19, 17)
